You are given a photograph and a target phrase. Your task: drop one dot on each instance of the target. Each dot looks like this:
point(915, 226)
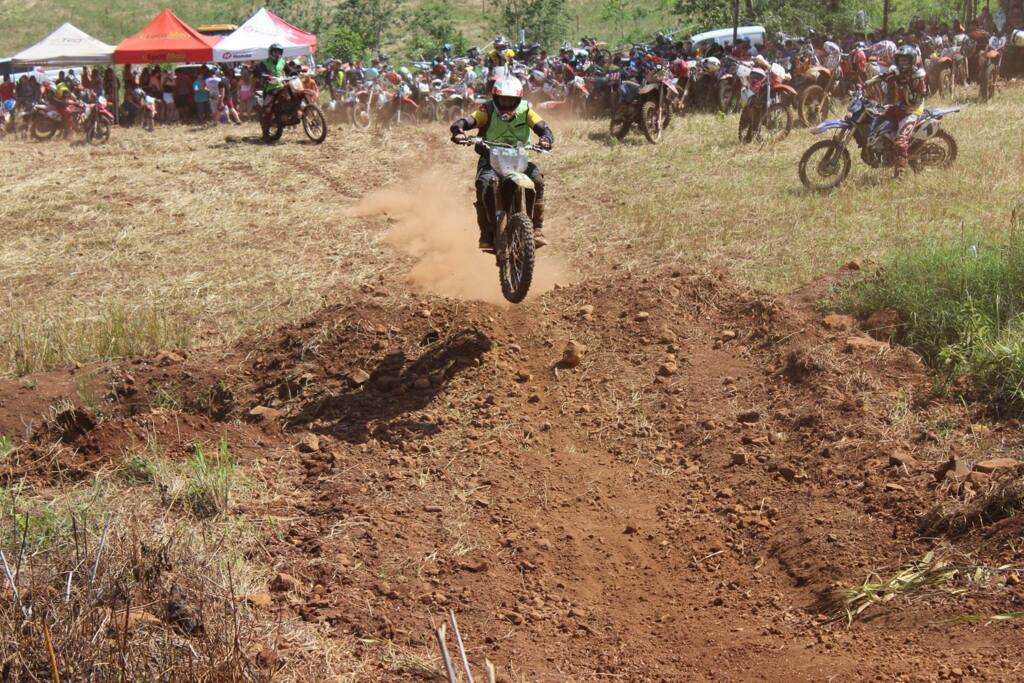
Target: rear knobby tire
point(810, 169)
point(923, 160)
point(987, 83)
point(516, 258)
point(42, 132)
point(809, 106)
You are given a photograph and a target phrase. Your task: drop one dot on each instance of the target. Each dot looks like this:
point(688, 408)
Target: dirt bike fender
point(926, 128)
point(649, 87)
point(550, 105)
point(785, 88)
point(939, 113)
point(831, 124)
point(522, 180)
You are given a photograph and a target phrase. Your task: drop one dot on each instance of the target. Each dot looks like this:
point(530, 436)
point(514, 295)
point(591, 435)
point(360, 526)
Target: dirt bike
point(647, 105)
point(826, 164)
point(989, 60)
point(766, 115)
point(402, 107)
point(457, 100)
point(942, 67)
point(45, 121)
point(97, 122)
point(295, 103)
point(733, 77)
point(509, 201)
point(572, 96)
point(812, 82)
point(364, 104)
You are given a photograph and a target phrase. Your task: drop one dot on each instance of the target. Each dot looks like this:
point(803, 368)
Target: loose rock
point(993, 464)
point(358, 377)
point(573, 354)
point(310, 443)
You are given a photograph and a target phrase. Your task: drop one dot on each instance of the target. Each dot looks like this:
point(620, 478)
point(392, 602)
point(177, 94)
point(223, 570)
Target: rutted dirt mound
point(669, 499)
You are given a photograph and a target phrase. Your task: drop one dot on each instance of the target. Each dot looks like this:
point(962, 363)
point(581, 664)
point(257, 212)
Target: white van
point(723, 36)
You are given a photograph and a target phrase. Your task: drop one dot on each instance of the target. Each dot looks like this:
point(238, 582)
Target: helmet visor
point(506, 104)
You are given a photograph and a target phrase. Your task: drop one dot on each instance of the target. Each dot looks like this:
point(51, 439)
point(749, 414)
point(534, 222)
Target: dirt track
point(676, 507)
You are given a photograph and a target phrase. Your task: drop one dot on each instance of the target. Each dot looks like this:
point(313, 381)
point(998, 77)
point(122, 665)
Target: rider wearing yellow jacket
point(507, 119)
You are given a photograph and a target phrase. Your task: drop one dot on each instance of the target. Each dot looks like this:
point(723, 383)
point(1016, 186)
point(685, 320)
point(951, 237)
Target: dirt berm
point(672, 499)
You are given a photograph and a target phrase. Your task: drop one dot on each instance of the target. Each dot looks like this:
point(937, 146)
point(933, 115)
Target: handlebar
point(467, 142)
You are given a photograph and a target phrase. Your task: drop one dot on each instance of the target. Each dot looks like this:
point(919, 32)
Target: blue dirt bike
point(826, 164)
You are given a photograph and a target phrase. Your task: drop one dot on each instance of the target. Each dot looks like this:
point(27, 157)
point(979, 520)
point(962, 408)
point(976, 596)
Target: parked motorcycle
point(733, 77)
point(989, 59)
point(295, 103)
point(647, 105)
point(826, 164)
point(510, 201)
point(812, 82)
point(767, 115)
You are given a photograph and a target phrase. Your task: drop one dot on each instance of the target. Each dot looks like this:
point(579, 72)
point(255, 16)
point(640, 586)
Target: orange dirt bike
point(510, 201)
point(296, 102)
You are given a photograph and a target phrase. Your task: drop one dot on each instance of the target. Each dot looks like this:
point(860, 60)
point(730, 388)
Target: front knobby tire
point(314, 123)
point(100, 132)
point(651, 122)
point(824, 166)
point(516, 258)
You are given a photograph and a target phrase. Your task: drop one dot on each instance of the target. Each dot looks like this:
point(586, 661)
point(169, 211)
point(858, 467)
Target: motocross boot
point(538, 224)
point(486, 230)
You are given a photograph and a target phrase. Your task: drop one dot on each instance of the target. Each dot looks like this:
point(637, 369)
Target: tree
point(342, 43)
point(374, 21)
point(431, 26)
point(544, 21)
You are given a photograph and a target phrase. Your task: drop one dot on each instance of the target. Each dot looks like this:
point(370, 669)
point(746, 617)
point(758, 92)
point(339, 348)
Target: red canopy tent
point(165, 40)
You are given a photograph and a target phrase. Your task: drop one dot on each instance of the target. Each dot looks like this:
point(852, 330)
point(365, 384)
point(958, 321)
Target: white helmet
point(710, 65)
point(1017, 37)
point(507, 94)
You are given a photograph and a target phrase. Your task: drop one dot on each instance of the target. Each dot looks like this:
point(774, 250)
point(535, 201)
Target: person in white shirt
point(213, 88)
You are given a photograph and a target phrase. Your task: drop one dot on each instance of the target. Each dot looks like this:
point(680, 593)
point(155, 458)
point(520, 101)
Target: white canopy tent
point(251, 40)
point(67, 46)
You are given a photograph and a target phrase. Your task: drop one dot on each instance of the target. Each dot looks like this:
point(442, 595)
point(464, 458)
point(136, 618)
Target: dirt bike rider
point(63, 98)
point(907, 89)
point(507, 119)
point(271, 70)
point(499, 57)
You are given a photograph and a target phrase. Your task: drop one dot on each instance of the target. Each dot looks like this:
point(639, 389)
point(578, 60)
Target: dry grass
point(197, 237)
point(176, 237)
point(132, 544)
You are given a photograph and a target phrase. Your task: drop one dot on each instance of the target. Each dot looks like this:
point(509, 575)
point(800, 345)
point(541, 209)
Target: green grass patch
point(960, 304)
point(211, 480)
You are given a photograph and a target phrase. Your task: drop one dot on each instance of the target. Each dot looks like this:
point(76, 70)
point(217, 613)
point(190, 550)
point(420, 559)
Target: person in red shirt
point(7, 89)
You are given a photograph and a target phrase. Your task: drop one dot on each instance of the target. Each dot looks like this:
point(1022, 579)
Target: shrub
point(961, 308)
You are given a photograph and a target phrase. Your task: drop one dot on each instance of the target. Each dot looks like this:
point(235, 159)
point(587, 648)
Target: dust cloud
point(433, 221)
